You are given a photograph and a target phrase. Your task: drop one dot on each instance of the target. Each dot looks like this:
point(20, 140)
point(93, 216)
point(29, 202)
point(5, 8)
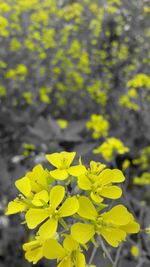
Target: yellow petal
point(111, 176)
point(62, 159)
point(80, 260)
point(118, 215)
point(24, 186)
point(96, 198)
point(69, 207)
point(55, 159)
point(30, 245)
point(112, 192)
point(48, 229)
point(131, 228)
point(35, 216)
point(38, 178)
point(34, 255)
point(113, 236)
point(40, 198)
point(68, 157)
point(84, 183)
point(53, 250)
point(57, 194)
point(66, 262)
point(86, 208)
point(59, 174)
point(15, 207)
point(70, 244)
point(96, 167)
point(82, 233)
point(77, 170)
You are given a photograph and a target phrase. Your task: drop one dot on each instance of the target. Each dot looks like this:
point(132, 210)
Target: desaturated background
point(60, 62)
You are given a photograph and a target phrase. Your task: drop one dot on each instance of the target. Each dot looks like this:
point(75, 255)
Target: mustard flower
point(113, 225)
point(62, 162)
point(111, 146)
point(52, 212)
point(101, 185)
point(68, 255)
point(33, 188)
point(34, 249)
point(98, 125)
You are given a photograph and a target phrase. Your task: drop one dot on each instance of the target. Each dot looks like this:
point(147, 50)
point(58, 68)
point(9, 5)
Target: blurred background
point(75, 76)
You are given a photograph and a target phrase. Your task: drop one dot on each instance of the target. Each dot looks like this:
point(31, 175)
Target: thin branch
point(106, 251)
point(92, 255)
point(117, 256)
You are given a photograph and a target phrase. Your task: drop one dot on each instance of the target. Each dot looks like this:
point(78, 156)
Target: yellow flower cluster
point(98, 125)
point(110, 148)
point(144, 158)
point(136, 90)
point(64, 206)
point(144, 179)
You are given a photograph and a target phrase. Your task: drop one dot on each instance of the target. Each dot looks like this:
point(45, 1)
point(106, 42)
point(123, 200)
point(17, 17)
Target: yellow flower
point(52, 212)
point(135, 251)
point(69, 255)
point(99, 125)
point(111, 146)
point(34, 249)
point(62, 162)
point(36, 182)
point(39, 178)
point(101, 185)
point(15, 206)
point(62, 123)
point(112, 225)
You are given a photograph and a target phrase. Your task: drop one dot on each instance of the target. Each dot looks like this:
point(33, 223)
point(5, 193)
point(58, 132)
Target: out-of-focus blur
point(75, 76)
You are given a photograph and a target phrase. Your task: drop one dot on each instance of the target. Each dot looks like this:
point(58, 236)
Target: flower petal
point(77, 170)
point(53, 250)
point(86, 208)
point(62, 159)
point(82, 233)
point(111, 176)
point(35, 216)
point(55, 159)
point(112, 192)
point(40, 198)
point(15, 207)
point(48, 229)
point(84, 183)
point(131, 228)
point(34, 255)
point(59, 174)
point(68, 157)
point(69, 207)
point(24, 186)
point(96, 198)
point(38, 178)
point(80, 259)
point(57, 194)
point(113, 236)
point(70, 244)
point(30, 245)
point(66, 262)
point(118, 215)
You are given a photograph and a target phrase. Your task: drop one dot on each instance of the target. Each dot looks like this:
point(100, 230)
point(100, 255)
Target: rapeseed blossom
point(46, 201)
point(62, 162)
point(33, 187)
point(111, 147)
point(69, 255)
point(51, 211)
point(101, 185)
point(113, 225)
